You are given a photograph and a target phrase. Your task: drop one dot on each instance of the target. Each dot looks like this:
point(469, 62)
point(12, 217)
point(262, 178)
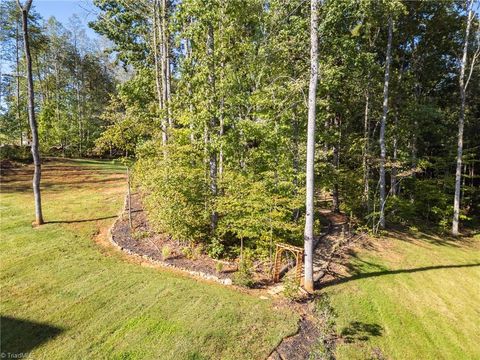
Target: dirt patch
point(297, 346)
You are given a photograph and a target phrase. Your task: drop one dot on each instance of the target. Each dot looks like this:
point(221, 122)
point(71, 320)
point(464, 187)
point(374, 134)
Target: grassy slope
point(96, 303)
point(423, 313)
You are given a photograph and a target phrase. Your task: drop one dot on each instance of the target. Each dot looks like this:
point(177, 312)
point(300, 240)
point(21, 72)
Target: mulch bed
point(143, 241)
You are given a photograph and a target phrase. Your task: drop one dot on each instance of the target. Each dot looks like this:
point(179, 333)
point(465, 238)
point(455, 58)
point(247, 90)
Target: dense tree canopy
point(215, 112)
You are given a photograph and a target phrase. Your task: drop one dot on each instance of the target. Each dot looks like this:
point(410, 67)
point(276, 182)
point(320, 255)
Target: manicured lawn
point(412, 297)
point(64, 295)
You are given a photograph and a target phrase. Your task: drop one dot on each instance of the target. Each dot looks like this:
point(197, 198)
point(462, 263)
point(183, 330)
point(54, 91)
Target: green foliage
point(219, 267)
point(244, 275)
point(123, 302)
point(291, 288)
point(166, 252)
point(228, 167)
point(174, 190)
point(324, 348)
point(254, 210)
point(215, 249)
point(17, 153)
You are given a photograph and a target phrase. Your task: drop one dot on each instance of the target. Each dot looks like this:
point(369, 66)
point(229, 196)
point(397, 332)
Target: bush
point(291, 288)
point(16, 153)
point(216, 249)
point(219, 267)
point(174, 191)
point(166, 252)
point(244, 275)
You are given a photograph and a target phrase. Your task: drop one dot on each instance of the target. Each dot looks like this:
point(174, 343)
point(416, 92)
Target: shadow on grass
point(19, 337)
point(392, 272)
point(88, 220)
point(80, 221)
point(358, 331)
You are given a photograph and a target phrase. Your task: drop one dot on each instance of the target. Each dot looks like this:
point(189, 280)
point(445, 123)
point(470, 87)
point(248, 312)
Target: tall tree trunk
point(366, 146)
point(393, 177)
point(296, 161)
point(336, 164)
point(166, 60)
point(31, 115)
point(461, 120)
point(213, 161)
point(383, 149)
point(310, 174)
point(17, 67)
point(158, 73)
point(163, 93)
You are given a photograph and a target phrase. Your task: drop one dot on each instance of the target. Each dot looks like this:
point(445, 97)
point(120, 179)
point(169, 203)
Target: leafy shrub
point(257, 210)
point(166, 252)
point(15, 152)
point(187, 252)
point(244, 275)
point(219, 267)
point(138, 235)
point(215, 249)
point(174, 190)
point(326, 319)
point(291, 288)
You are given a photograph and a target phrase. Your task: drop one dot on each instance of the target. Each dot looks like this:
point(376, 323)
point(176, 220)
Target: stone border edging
point(197, 274)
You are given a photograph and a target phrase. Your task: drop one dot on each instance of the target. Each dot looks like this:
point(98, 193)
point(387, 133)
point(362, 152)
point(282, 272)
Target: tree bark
point(160, 79)
point(336, 164)
point(461, 120)
point(310, 175)
point(31, 115)
point(383, 149)
point(17, 67)
point(366, 146)
point(158, 73)
point(166, 60)
point(213, 161)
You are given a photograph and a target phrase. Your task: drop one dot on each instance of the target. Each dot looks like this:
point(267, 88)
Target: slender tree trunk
point(213, 161)
point(31, 115)
point(17, 67)
point(461, 120)
point(166, 60)
point(158, 73)
point(129, 194)
point(296, 162)
point(190, 92)
point(366, 146)
point(163, 66)
point(336, 164)
point(310, 174)
point(393, 177)
point(221, 133)
point(383, 149)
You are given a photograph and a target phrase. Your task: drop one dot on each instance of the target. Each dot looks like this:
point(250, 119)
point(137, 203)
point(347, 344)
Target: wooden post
point(129, 199)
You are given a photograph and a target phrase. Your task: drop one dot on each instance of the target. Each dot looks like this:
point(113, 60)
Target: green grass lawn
point(412, 297)
point(65, 296)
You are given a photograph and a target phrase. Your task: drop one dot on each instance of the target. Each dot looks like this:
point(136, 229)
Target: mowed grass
point(411, 297)
point(66, 296)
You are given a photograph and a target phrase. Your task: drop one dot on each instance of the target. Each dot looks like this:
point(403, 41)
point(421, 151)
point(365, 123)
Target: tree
point(461, 120)
point(383, 148)
point(25, 8)
point(310, 173)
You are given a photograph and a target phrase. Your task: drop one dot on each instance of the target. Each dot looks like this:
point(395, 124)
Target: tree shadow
point(19, 337)
point(80, 221)
point(342, 280)
point(358, 331)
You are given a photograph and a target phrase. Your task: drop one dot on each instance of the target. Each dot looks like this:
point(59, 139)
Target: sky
point(64, 9)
